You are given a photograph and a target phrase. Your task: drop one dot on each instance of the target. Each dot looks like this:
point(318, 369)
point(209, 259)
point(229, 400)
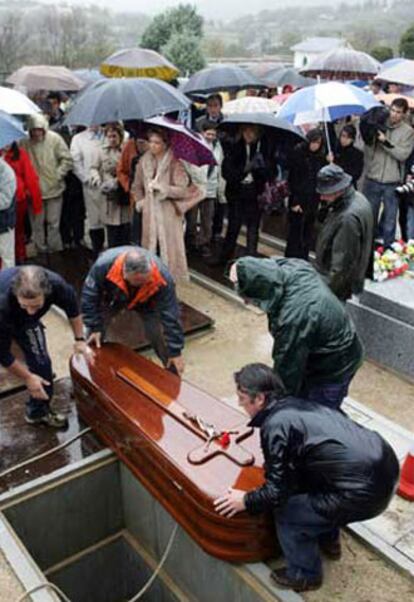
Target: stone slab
point(392, 297)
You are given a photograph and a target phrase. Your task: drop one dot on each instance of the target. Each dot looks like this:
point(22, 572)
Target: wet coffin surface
point(20, 441)
point(127, 326)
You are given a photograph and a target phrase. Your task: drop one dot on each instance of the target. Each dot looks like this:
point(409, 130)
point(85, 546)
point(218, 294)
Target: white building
point(308, 49)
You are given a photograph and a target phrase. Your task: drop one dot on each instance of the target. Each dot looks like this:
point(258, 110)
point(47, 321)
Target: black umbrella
point(266, 120)
point(287, 76)
point(122, 99)
point(222, 77)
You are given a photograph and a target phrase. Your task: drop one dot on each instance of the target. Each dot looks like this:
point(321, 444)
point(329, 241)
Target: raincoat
point(315, 341)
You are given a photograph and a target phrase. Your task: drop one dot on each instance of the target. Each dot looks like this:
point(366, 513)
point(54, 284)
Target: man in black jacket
point(26, 295)
point(133, 278)
point(345, 242)
point(322, 471)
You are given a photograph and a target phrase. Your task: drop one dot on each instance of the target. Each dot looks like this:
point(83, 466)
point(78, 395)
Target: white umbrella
point(16, 103)
point(250, 104)
point(46, 77)
point(403, 73)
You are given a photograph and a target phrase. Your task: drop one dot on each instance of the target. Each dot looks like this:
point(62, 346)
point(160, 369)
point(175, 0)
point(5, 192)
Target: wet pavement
point(20, 441)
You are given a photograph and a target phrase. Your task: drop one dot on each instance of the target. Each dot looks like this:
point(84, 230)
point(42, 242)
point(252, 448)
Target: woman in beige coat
point(163, 192)
point(115, 209)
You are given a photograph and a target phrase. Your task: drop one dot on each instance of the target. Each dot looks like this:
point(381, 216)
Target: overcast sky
point(212, 9)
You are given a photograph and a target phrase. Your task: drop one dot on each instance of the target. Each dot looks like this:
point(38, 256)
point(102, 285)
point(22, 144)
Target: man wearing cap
point(133, 278)
point(345, 242)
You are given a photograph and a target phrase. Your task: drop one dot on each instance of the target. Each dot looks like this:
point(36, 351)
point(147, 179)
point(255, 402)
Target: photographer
point(385, 158)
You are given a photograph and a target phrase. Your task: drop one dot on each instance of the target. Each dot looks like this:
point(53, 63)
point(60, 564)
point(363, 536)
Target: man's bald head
point(137, 268)
point(30, 282)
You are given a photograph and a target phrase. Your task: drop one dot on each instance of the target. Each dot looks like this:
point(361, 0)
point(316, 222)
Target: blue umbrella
point(89, 76)
point(11, 129)
point(326, 102)
point(122, 99)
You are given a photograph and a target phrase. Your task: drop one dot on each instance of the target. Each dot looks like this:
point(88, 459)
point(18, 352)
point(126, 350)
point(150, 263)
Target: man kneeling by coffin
point(322, 471)
point(134, 278)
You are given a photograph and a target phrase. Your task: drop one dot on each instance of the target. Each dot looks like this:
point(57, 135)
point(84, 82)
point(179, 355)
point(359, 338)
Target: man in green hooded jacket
point(316, 348)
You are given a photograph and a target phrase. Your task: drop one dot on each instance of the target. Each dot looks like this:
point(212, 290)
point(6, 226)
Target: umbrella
point(46, 77)
point(222, 77)
point(250, 104)
point(288, 75)
point(326, 102)
point(89, 76)
point(187, 145)
point(281, 98)
point(267, 120)
point(16, 103)
point(262, 69)
point(403, 73)
point(343, 63)
point(392, 62)
point(121, 99)
point(138, 62)
point(388, 99)
point(11, 129)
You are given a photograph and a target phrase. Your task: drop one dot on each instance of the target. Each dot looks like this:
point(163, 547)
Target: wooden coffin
point(156, 424)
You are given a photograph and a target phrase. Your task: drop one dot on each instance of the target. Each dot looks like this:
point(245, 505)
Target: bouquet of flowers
point(393, 262)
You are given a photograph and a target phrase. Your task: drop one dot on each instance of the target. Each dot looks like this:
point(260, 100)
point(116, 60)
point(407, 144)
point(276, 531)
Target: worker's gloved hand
point(176, 364)
point(95, 338)
point(35, 385)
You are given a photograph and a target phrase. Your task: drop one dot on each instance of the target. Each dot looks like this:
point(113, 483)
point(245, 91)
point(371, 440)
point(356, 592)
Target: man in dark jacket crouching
point(322, 471)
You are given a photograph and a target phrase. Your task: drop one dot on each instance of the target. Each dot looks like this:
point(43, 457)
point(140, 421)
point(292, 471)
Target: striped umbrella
point(138, 62)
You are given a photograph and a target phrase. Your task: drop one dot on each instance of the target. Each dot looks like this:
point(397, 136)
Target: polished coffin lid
point(158, 415)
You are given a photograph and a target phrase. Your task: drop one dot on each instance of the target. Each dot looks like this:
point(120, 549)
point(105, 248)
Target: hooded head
point(37, 125)
point(261, 281)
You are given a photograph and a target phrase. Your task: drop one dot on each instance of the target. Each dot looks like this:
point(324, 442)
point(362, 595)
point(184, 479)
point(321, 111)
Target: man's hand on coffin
point(35, 383)
point(82, 348)
point(231, 503)
point(95, 338)
point(178, 363)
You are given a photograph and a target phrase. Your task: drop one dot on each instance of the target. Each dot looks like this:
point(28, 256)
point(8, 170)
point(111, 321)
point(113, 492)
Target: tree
point(407, 43)
point(13, 41)
point(178, 20)
point(184, 51)
point(382, 53)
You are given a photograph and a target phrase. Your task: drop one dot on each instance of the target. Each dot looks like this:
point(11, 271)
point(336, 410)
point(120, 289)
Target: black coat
point(351, 160)
point(262, 166)
point(303, 168)
point(349, 471)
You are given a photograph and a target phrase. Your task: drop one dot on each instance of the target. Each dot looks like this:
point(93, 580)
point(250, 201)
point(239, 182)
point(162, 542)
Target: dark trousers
point(300, 529)
point(243, 210)
point(72, 220)
point(118, 235)
point(206, 211)
point(218, 217)
point(136, 228)
point(403, 206)
point(31, 339)
point(301, 235)
point(329, 394)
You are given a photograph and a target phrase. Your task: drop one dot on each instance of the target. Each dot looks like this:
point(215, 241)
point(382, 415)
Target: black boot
point(97, 238)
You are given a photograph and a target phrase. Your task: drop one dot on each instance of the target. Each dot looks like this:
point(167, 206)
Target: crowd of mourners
point(126, 185)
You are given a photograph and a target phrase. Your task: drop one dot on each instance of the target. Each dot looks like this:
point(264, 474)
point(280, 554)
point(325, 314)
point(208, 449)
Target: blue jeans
point(31, 339)
point(383, 194)
point(410, 222)
point(300, 529)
